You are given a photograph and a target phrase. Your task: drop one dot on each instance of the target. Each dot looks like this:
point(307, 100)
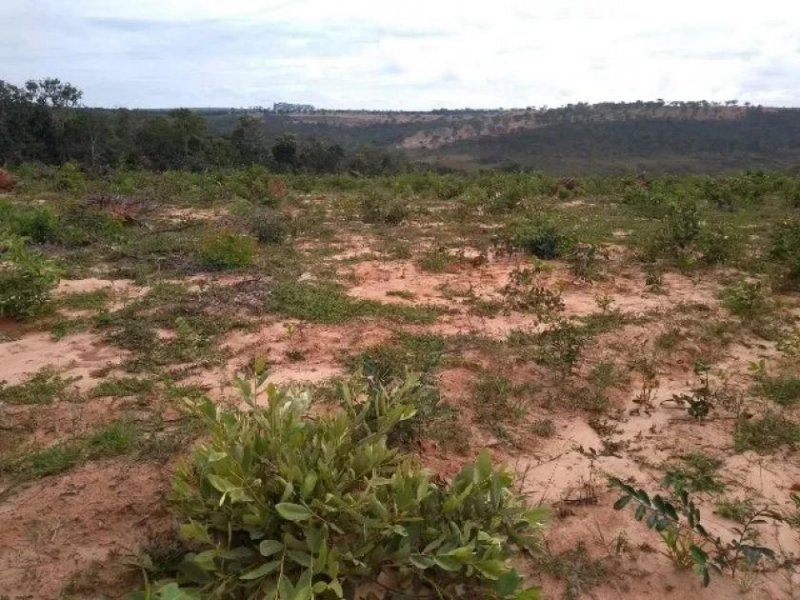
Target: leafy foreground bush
point(26, 279)
point(286, 507)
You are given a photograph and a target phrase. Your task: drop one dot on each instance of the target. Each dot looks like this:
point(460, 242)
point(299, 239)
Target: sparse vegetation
point(534, 327)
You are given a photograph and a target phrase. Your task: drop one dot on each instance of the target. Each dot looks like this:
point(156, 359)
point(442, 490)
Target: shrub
point(781, 390)
point(277, 505)
point(380, 207)
point(37, 223)
point(586, 261)
point(541, 239)
point(784, 248)
point(268, 226)
point(681, 227)
point(767, 433)
point(26, 279)
point(524, 292)
point(716, 245)
point(227, 250)
point(69, 177)
point(747, 299)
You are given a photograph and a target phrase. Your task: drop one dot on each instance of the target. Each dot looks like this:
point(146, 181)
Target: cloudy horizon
point(415, 55)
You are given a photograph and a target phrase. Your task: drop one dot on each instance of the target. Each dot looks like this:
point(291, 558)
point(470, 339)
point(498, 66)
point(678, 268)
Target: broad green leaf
point(447, 563)
point(484, 464)
point(507, 583)
point(421, 561)
point(293, 512)
point(261, 571)
point(301, 558)
point(195, 532)
point(270, 547)
point(622, 502)
point(220, 483)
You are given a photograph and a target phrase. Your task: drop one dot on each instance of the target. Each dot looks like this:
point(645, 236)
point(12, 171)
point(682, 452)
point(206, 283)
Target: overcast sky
point(405, 54)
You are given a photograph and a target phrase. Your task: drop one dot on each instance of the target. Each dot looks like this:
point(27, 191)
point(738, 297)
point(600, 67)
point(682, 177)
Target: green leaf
point(446, 563)
point(269, 547)
point(171, 591)
point(491, 568)
point(309, 483)
point(293, 512)
point(301, 558)
point(484, 464)
point(195, 532)
point(622, 502)
point(507, 583)
point(261, 571)
point(421, 561)
point(220, 483)
point(641, 511)
point(336, 588)
point(698, 555)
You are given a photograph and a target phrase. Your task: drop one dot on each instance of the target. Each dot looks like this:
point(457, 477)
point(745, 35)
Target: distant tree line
point(43, 121)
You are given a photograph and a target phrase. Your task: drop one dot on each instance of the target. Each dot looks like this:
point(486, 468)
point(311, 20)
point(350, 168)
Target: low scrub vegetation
point(278, 505)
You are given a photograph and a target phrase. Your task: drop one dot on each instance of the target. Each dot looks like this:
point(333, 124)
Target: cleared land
point(578, 329)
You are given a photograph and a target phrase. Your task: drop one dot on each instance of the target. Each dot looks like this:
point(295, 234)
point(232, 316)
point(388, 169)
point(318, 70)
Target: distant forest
point(43, 121)
point(758, 139)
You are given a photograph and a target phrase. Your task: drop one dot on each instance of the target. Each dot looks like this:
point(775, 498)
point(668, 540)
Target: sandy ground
point(76, 528)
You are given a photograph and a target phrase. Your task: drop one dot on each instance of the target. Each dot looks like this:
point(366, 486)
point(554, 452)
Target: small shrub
point(26, 280)
point(268, 226)
point(70, 178)
point(561, 346)
point(45, 387)
point(524, 292)
point(544, 240)
point(496, 400)
point(586, 261)
point(748, 299)
point(766, 434)
point(681, 226)
point(716, 245)
point(115, 439)
point(277, 504)
point(437, 261)
point(781, 390)
point(735, 509)
point(377, 207)
point(697, 474)
point(784, 248)
point(543, 428)
point(686, 540)
point(227, 250)
point(39, 224)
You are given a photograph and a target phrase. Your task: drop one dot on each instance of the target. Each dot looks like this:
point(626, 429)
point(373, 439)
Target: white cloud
point(416, 54)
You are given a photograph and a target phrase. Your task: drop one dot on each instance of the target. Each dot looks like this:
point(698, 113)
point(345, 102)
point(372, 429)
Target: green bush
point(227, 250)
point(26, 279)
point(748, 299)
point(784, 248)
point(276, 505)
point(268, 225)
point(381, 207)
point(37, 223)
point(544, 240)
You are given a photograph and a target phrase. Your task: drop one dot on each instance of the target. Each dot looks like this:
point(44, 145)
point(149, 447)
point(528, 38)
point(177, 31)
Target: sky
point(405, 55)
